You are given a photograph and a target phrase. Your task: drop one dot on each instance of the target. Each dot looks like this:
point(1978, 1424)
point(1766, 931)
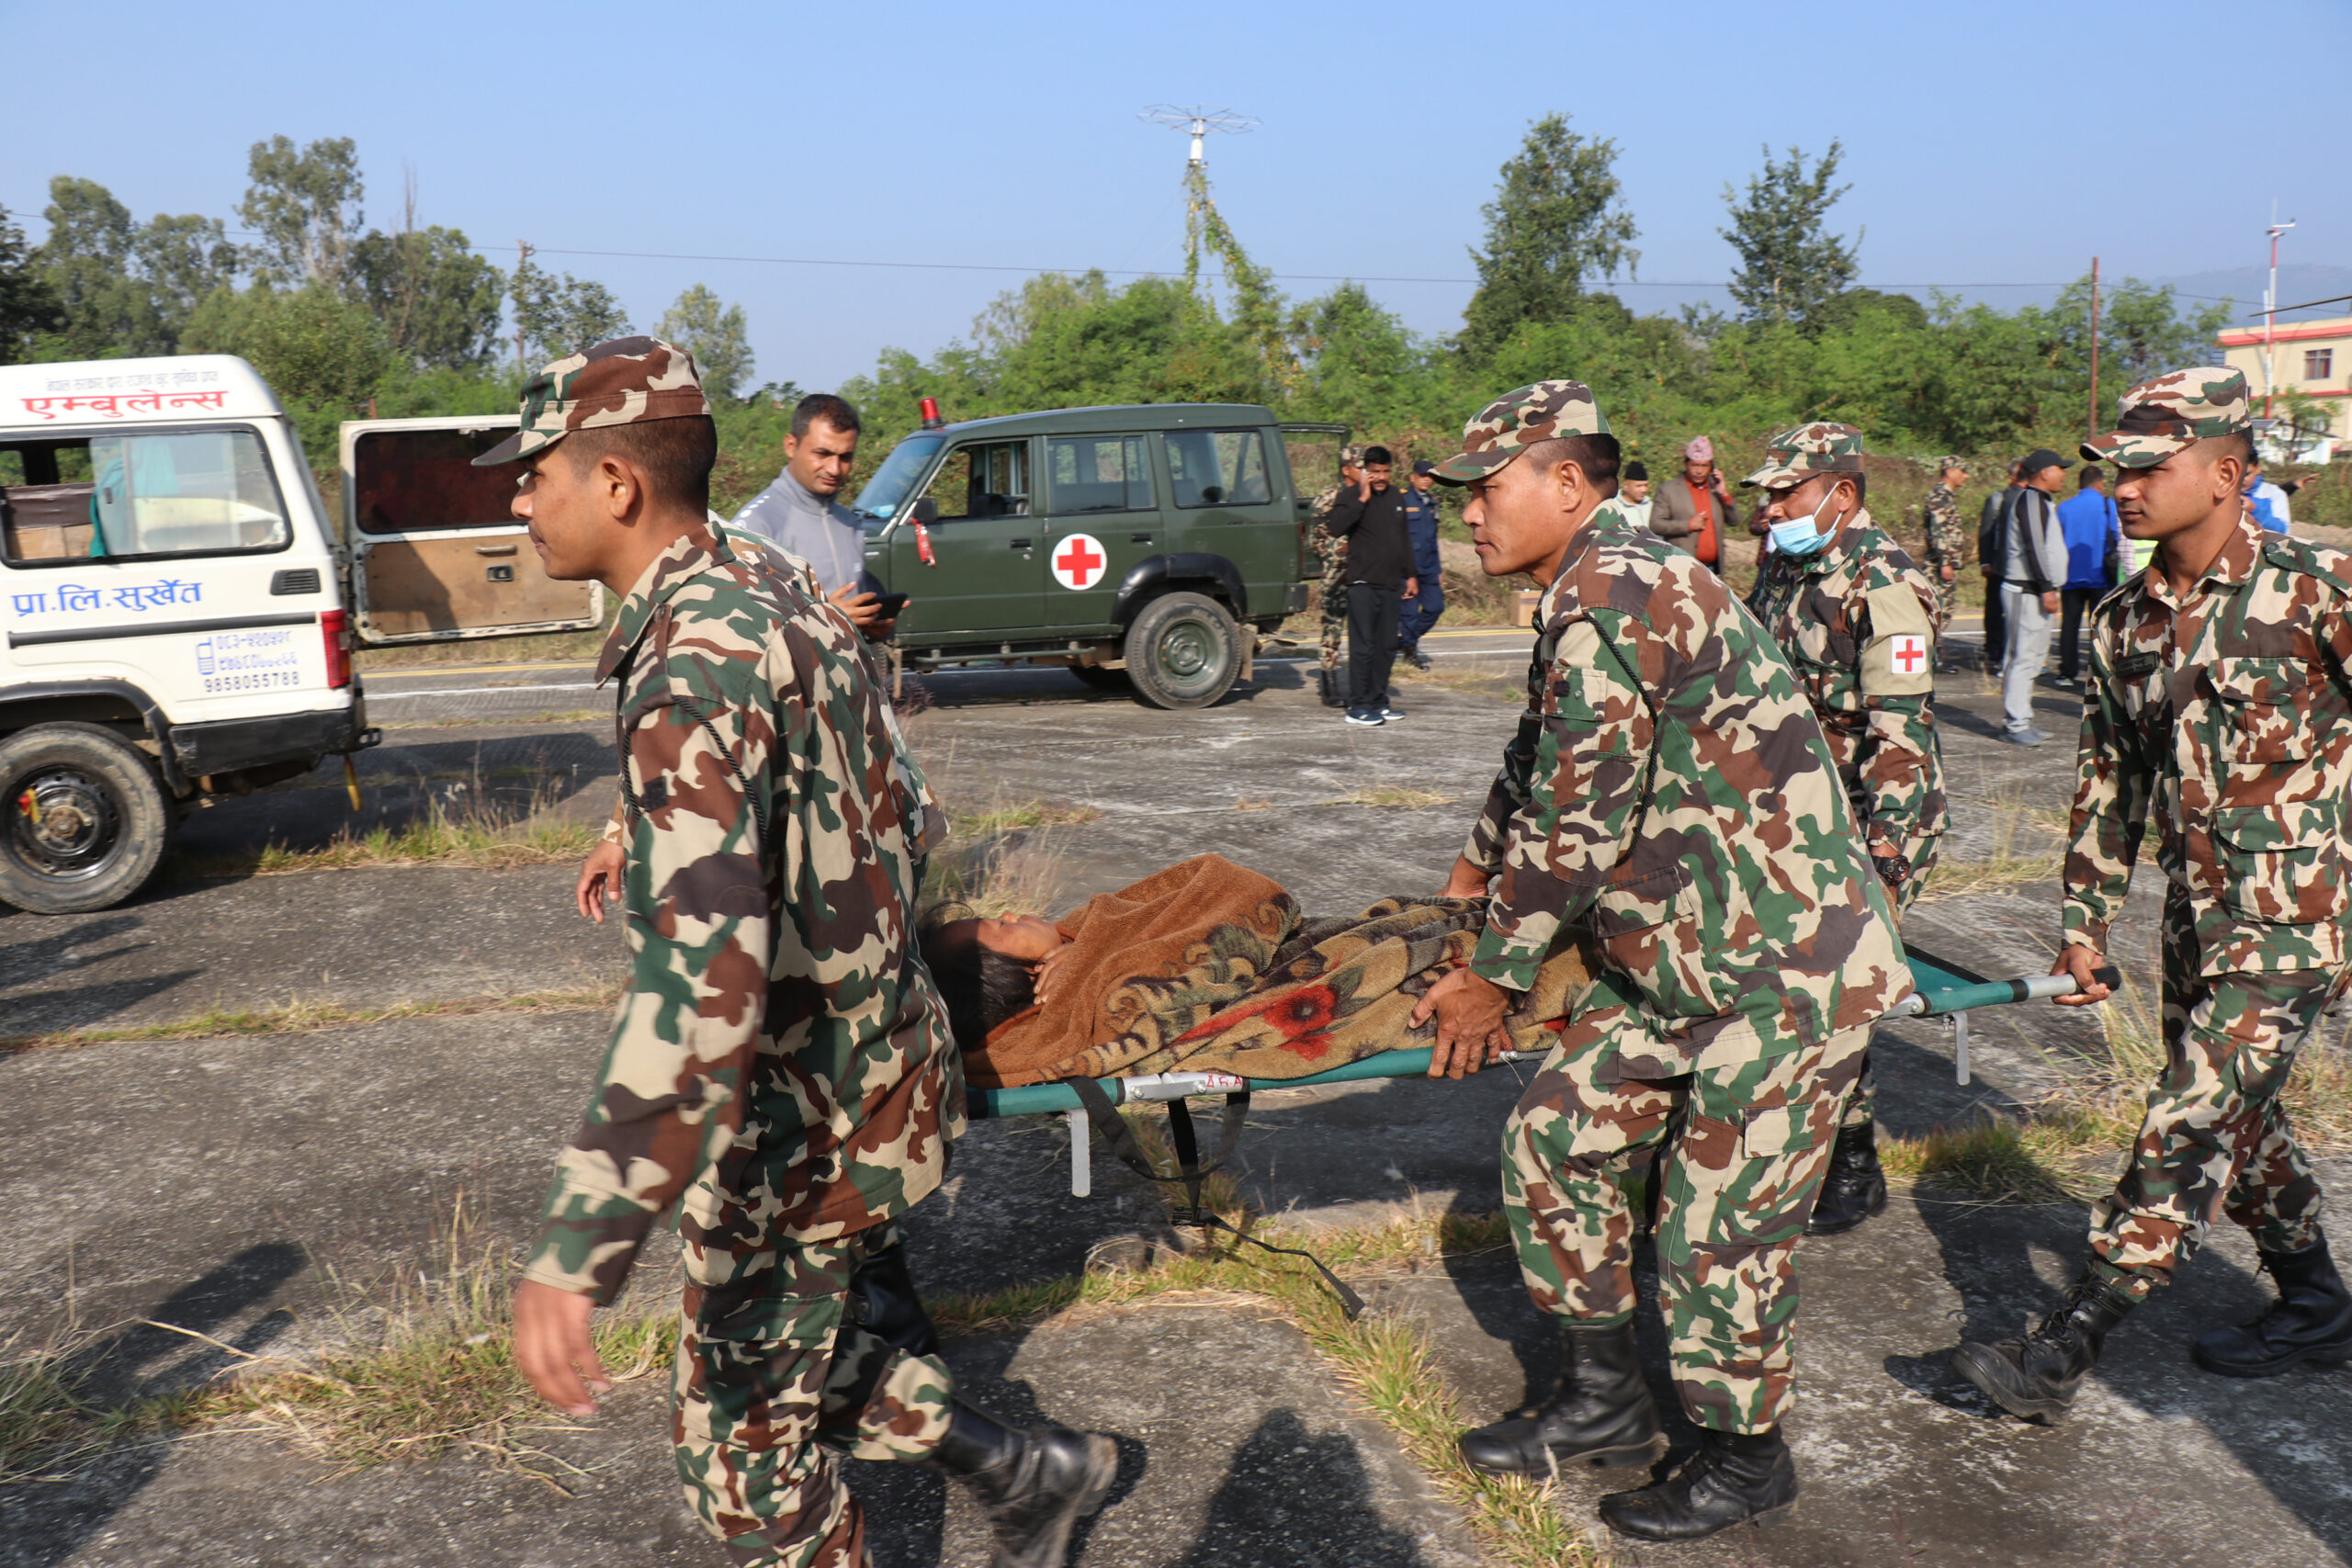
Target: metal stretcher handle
point(1997, 993)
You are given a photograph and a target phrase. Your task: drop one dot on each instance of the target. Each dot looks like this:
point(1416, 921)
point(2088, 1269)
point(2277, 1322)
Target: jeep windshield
point(894, 482)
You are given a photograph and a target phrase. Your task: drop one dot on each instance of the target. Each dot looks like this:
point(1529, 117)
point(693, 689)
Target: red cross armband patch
point(1900, 659)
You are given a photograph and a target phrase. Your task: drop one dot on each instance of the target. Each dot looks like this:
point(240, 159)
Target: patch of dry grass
point(1005, 817)
point(1399, 798)
point(299, 1017)
point(2005, 865)
point(463, 824)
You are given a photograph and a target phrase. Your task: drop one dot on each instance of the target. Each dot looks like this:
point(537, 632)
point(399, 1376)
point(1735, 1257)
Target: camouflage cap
point(1794, 456)
point(2159, 417)
point(1352, 454)
point(1517, 420)
point(621, 382)
point(1946, 464)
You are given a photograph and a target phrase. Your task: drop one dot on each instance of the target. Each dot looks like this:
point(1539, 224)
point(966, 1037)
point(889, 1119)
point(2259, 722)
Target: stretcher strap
point(1190, 1172)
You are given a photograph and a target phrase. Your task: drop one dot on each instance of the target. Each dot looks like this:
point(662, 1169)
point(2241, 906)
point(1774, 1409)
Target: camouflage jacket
point(1857, 621)
point(1669, 802)
point(1946, 543)
point(2227, 717)
point(1330, 547)
point(781, 1068)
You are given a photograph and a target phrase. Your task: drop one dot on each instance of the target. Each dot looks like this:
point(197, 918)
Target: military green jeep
point(1146, 549)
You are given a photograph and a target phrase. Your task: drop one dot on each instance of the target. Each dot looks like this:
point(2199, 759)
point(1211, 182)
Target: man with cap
point(2029, 548)
point(2220, 708)
point(1427, 602)
point(1694, 512)
point(1332, 551)
point(1946, 547)
point(1669, 807)
point(1857, 620)
point(781, 1072)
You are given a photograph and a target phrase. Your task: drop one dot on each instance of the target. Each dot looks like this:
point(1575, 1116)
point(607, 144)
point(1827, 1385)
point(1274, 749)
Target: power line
point(1147, 271)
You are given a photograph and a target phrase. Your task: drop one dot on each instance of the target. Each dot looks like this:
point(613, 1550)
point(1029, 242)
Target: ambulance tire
point(1183, 651)
point(108, 790)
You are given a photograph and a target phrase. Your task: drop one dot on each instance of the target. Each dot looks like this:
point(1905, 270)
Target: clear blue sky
point(1988, 143)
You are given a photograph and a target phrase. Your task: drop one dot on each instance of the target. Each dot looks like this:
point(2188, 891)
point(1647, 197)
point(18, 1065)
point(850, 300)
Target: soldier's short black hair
point(1598, 455)
point(825, 408)
point(675, 455)
point(1378, 455)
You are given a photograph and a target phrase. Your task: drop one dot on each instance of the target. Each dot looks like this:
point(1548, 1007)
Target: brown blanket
point(1208, 968)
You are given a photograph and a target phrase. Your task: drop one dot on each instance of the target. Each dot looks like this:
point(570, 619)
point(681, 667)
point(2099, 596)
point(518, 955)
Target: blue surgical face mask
point(1803, 536)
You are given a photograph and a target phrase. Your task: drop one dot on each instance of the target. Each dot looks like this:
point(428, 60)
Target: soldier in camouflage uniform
point(1857, 620)
point(2221, 707)
point(1332, 551)
point(1947, 546)
point(780, 1071)
point(1670, 806)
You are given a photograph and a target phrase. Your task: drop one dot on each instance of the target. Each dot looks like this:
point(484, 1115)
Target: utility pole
point(522, 263)
point(2271, 313)
point(2094, 424)
point(1197, 122)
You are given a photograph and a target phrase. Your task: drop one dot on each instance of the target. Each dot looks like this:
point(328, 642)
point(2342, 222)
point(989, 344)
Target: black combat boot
point(1733, 1477)
point(2310, 1321)
point(1855, 1187)
point(1034, 1483)
point(1333, 688)
point(1602, 1413)
point(2038, 1374)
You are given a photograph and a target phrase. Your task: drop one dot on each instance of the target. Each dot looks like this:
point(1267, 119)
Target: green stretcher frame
point(1943, 990)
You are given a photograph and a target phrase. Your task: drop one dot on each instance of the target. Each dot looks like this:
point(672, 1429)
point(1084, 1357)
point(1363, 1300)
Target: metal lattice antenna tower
point(1200, 122)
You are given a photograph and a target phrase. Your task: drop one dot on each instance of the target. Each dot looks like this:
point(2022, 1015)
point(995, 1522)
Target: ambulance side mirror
point(924, 512)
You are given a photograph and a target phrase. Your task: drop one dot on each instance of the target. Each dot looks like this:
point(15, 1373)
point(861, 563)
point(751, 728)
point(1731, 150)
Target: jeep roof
point(1112, 416)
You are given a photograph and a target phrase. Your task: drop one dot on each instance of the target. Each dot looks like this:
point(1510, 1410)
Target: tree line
point(343, 317)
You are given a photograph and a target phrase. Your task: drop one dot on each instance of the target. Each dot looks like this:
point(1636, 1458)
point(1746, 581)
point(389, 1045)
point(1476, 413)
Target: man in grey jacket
point(802, 512)
point(2032, 556)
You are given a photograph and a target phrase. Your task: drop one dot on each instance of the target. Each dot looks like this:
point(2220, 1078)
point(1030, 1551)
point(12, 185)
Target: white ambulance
point(178, 607)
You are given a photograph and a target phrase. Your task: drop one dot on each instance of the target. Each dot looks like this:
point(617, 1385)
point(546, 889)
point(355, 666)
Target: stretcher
point(1941, 990)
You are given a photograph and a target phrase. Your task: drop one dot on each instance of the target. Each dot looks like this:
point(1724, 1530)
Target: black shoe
point(1420, 660)
point(1733, 1477)
point(1602, 1413)
point(2038, 1374)
point(1034, 1483)
point(2310, 1321)
point(1854, 1187)
point(1334, 694)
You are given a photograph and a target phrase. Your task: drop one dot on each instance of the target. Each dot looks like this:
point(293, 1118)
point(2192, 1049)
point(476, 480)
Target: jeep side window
point(1219, 467)
point(1097, 473)
point(126, 496)
point(983, 481)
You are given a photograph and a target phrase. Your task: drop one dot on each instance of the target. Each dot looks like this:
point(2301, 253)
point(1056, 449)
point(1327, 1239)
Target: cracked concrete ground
point(246, 1185)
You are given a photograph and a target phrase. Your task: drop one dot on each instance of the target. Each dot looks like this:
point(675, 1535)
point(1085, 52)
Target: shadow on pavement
point(43, 1523)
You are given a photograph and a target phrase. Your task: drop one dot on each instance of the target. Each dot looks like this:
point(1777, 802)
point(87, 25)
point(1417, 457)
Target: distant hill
point(2243, 286)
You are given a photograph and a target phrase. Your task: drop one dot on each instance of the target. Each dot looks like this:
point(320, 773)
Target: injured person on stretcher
point(1209, 967)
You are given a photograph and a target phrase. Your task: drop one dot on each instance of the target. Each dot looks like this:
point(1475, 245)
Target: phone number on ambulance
point(258, 680)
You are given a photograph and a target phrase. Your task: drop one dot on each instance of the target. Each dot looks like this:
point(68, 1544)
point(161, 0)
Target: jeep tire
point(83, 819)
point(1183, 651)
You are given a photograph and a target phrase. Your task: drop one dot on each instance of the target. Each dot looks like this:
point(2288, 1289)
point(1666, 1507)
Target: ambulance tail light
point(334, 625)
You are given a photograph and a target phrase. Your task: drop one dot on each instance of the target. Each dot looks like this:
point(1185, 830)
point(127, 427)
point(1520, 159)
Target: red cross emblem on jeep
point(1079, 562)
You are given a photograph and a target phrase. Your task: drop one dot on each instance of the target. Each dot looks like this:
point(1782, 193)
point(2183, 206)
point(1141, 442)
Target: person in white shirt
point(801, 513)
point(1634, 493)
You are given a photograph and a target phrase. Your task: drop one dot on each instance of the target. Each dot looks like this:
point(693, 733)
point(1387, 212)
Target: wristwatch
point(1892, 870)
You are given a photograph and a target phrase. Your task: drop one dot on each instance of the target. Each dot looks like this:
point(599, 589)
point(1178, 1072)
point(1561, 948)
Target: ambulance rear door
point(437, 552)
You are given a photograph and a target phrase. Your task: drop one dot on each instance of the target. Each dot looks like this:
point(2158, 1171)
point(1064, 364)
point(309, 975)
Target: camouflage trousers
point(1735, 1155)
point(2215, 1138)
point(779, 1374)
point(1335, 609)
point(1947, 596)
point(1861, 1105)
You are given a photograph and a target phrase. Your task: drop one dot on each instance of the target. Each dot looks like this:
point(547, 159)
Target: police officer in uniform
point(1668, 806)
point(2221, 707)
point(781, 1072)
point(1857, 620)
point(1331, 671)
point(1428, 603)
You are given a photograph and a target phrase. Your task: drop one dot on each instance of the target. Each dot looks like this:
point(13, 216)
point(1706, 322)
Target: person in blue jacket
point(1423, 608)
point(2094, 536)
